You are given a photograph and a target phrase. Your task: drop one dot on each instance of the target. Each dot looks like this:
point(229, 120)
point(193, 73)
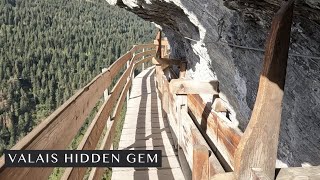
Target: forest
point(51, 48)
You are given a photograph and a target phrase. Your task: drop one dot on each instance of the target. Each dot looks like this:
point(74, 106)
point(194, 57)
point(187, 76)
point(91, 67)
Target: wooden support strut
point(200, 169)
point(184, 86)
point(258, 146)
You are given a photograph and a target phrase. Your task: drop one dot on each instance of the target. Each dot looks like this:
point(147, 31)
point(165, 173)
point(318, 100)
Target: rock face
point(214, 35)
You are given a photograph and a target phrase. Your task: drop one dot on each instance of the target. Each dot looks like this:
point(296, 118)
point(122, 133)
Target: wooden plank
point(166, 151)
point(131, 138)
point(144, 60)
point(198, 139)
point(146, 143)
point(214, 128)
point(310, 173)
point(259, 174)
point(258, 146)
point(184, 86)
point(119, 64)
point(183, 69)
point(224, 176)
point(191, 136)
point(158, 48)
point(167, 174)
point(142, 46)
point(142, 54)
point(200, 169)
point(168, 162)
point(216, 131)
point(97, 173)
point(92, 135)
point(158, 61)
point(165, 97)
point(219, 105)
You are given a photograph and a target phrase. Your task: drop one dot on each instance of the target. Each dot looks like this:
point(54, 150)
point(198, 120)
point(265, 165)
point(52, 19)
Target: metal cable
point(252, 48)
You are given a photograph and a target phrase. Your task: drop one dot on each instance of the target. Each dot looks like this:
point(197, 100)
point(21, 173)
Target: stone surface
point(204, 33)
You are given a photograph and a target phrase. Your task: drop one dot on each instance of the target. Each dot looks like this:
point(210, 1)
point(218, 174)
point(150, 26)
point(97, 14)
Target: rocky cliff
point(224, 40)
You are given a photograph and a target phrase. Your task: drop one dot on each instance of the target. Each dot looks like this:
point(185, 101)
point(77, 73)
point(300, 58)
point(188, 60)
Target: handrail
point(58, 130)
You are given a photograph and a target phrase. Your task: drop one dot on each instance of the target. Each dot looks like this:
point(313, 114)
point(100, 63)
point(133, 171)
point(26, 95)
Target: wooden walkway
point(146, 128)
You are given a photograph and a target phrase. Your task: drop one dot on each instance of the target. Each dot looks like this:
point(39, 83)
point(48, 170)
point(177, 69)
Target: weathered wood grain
point(214, 164)
point(119, 64)
point(258, 146)
point(142, 54)
point(310, 173)
point(183, 69)
point(219, 105)
point(216, 130)
point(166, 61)
point(200, 169)
point(142, 46)
point(158, 44)
point(184, 86)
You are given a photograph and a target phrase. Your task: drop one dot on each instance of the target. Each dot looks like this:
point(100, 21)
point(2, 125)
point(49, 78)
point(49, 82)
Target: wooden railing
point(58, 130)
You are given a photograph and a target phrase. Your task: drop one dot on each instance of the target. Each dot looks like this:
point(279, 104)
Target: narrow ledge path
point(145, 128)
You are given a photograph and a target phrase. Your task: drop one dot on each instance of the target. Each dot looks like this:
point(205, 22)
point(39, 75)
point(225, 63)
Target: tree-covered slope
point(50, 48)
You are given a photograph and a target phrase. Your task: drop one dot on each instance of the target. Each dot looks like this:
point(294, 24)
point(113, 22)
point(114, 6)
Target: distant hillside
point(50, 48)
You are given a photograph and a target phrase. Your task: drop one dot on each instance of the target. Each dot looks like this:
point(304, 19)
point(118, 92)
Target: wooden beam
point(224, 176)
point(183, 69)
point(258, 146)
point(214, 164)
point(144, 60)
point(312, 172)
point(219, 105)
point(158, 48)
point(183, 86)
point(142, 46)
point(97, 172)
point(119, 64)
point(167, 61)
point(215, 129)
point(58, 130)
point(200, 169)
point(142, 54)
point(165, 92)
point(259, 174)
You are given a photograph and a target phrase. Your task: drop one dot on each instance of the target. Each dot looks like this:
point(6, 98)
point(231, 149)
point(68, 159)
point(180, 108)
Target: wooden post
point(142, 58)
point(182, 109)
point(200, 169)
point(165, 95)
point(259, 143)
point(106, 92)
point(158, 37)
point(109, 124)
point(183, 69)
point(128, 66)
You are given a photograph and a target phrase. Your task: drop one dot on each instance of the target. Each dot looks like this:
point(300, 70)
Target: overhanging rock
point(213, 35)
